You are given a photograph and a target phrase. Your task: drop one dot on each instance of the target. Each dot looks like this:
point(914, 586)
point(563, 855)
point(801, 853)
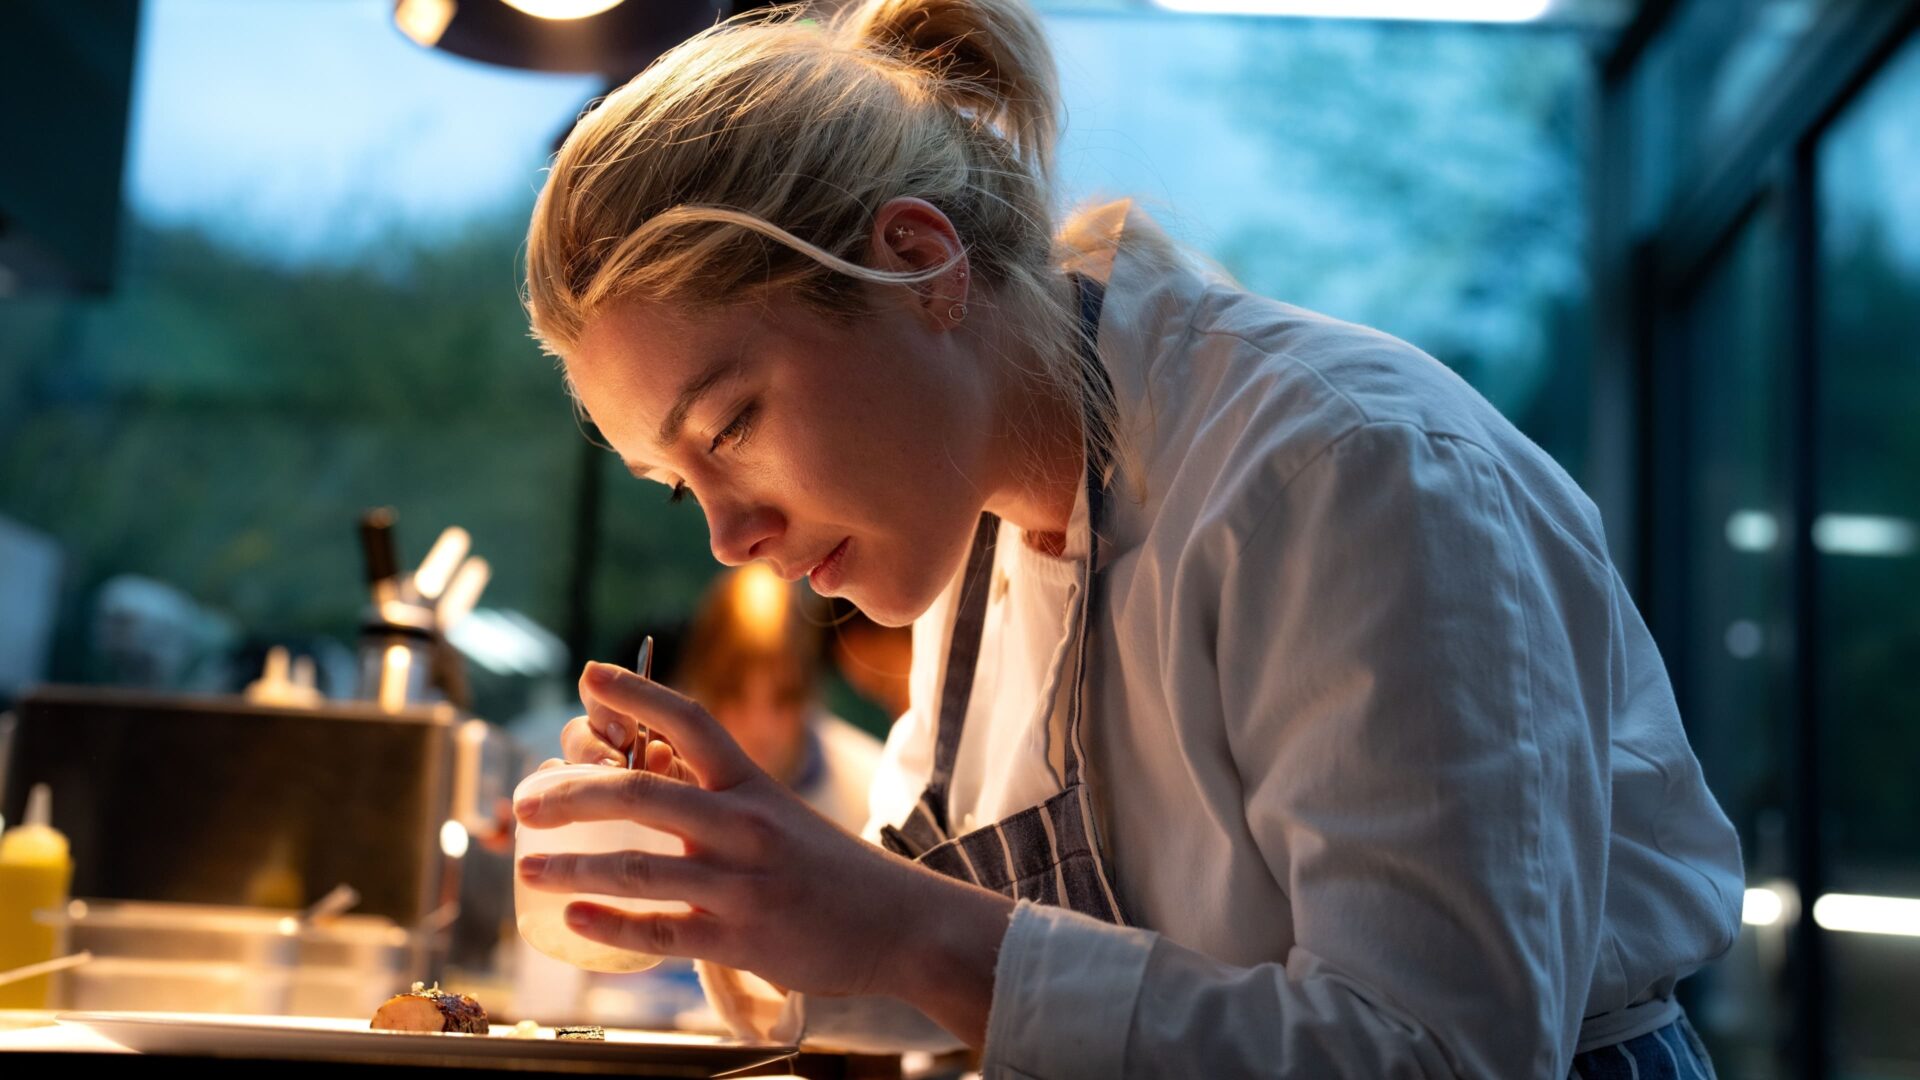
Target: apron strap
point(963, 654)
point(1092, 296)
point(963, 650)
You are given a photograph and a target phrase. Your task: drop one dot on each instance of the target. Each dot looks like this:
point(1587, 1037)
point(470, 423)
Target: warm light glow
point(563, 9)
point(441, 561)
point(760, 600)
point(423, 20)
point(394, 668)
point(453, 839)
point(463, 592)
point(1762, 907)
point(1898, 915)
point(1512, 11)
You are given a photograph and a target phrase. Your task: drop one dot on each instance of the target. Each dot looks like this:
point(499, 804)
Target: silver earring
point(957, 312)
point(901, 232)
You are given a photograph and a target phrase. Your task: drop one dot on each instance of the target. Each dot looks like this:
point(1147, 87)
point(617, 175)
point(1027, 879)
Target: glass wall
point(1260, 142)
point(1701, 79)
point(1793, 639)
point(1738, 648)
point(1868, 537)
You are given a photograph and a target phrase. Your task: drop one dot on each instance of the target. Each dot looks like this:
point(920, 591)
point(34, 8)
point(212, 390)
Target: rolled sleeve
point(1064, 990)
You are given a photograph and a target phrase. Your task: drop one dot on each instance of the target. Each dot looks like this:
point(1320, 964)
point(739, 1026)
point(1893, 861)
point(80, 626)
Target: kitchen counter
point(34, 1044)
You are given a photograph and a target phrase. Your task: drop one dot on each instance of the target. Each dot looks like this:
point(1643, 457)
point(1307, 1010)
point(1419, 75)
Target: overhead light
point(1833, 534)
point(562, 9)
point(1745, 639)
point(602, 37)
point(1864, 534)
point(454, 839)
point(760, 600)
point(1896, 915)
point(1762, 907)
point(1752, 530)
point(1496, 11)
point(423, 20)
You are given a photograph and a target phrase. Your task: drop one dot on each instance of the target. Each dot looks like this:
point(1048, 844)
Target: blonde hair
point(754, 156)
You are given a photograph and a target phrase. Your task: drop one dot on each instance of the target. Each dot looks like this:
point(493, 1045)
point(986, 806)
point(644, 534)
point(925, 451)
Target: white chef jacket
point(1387, 765)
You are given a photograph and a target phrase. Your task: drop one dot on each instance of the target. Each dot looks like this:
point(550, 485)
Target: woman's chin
point(886, 607)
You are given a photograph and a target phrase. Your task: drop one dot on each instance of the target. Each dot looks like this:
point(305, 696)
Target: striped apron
point(1673, 1052)
point(1049, 853)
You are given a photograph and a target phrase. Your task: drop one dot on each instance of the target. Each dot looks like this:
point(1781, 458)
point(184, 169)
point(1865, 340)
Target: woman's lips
point(827, 576)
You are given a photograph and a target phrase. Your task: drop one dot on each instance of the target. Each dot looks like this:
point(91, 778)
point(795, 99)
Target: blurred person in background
point(873, 659)
point(753, 657)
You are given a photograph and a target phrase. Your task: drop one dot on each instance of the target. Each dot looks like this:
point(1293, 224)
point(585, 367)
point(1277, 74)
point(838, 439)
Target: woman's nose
point(736, 531)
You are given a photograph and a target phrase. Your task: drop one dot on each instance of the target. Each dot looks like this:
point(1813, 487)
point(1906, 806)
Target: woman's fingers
point(643, 875)
point(582, 745)
point(695, 933)
point(626, 795)
point(660, 758)
point(614, 728)
point(696, 736)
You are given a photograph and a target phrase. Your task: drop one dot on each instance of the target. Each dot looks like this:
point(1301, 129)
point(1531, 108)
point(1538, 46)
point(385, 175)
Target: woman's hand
point(775, 888)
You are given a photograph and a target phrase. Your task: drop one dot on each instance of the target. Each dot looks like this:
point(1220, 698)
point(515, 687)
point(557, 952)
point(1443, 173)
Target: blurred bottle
point(277, 882)
point(36, 869)
point(398, 631)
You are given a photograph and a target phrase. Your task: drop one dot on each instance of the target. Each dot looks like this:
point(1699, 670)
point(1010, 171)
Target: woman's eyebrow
point(695, 388)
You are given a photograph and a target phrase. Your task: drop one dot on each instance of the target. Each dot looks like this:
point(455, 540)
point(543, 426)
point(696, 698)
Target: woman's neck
point(1040, 447)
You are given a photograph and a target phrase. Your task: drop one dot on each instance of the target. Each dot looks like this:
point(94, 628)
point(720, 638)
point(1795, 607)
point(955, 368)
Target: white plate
point(315, 1038)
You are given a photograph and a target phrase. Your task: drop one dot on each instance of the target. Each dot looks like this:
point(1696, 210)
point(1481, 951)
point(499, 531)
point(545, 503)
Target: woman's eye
point(679, 492)
point(737, 431)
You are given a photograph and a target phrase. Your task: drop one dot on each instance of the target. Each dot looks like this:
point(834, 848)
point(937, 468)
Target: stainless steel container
point(208, 958)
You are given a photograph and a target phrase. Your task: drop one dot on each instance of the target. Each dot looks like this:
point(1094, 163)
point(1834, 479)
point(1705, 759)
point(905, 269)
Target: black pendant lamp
point(615, 38)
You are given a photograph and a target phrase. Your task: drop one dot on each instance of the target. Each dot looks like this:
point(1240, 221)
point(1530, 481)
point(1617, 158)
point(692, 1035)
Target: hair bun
point(990, 55)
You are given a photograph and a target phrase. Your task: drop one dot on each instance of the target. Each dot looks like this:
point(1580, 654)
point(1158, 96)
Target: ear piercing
point(901, 232)
point(957, 312)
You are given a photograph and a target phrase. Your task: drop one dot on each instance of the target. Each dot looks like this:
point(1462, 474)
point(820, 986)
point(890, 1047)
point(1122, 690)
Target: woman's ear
point(911, 236)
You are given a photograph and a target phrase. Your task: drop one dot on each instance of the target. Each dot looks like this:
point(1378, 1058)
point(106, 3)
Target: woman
point(1275, 707)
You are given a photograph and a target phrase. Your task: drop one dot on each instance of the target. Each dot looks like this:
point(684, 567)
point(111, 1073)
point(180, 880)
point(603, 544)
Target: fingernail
point(527, 807)
point(533, 866)
point(610, 760)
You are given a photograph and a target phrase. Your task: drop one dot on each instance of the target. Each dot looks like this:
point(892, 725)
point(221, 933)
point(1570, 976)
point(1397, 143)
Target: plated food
point(431, 1009)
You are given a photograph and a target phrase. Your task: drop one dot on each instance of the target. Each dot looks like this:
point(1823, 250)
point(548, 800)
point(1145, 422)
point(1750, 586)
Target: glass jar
point(541, 915)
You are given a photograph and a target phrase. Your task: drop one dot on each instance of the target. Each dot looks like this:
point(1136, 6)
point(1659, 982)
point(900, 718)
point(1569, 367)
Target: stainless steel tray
point(294, 1038)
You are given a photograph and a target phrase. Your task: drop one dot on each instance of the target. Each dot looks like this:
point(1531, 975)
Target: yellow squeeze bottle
point(36, 869)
